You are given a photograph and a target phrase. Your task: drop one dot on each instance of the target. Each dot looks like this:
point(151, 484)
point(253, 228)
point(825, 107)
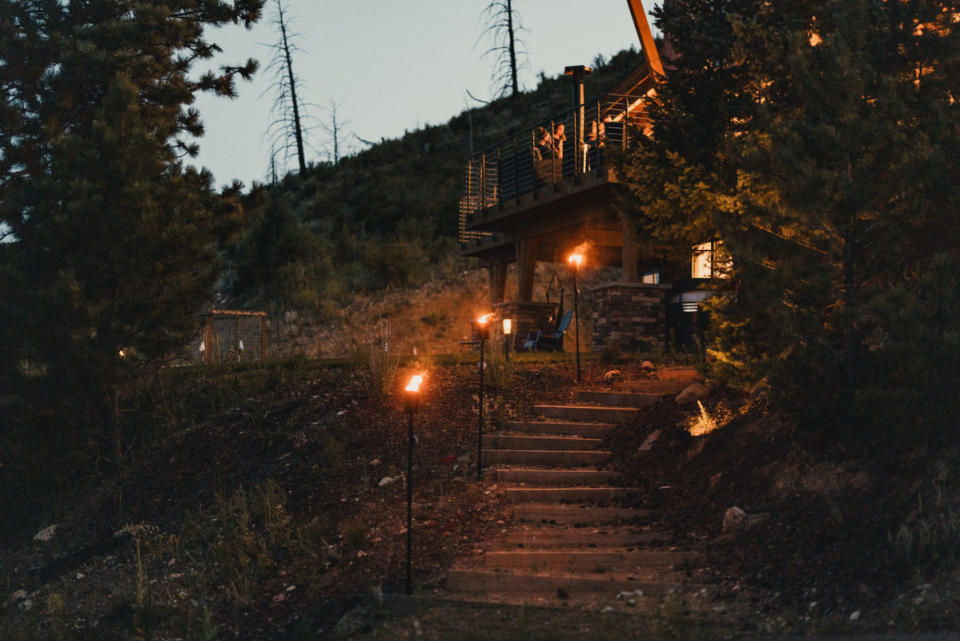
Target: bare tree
point(502, 26)
point(287, 127)
point(335, 129)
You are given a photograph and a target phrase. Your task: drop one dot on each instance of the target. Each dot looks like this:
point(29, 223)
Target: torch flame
point(414, 384)
point(575, 259)
point(483, 319)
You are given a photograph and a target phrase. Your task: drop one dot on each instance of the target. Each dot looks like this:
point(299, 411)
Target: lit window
point(709, 261)
point(651, 277)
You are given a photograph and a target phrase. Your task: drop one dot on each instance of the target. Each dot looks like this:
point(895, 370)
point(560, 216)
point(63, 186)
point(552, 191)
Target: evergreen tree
point(818, 142)
point(114, 239)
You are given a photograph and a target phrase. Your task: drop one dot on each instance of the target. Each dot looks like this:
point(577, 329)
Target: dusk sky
point(391, 66)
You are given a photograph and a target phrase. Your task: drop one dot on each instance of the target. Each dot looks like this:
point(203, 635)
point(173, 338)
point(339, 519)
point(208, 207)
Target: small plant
point(702, 423)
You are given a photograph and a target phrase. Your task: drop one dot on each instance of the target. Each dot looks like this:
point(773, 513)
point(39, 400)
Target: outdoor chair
point(550, 340)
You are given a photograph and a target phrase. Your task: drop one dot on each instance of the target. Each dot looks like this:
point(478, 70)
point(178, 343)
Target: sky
point(391, 67)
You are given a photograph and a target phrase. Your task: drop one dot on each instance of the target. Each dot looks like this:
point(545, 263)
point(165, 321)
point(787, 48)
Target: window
point(709, 260)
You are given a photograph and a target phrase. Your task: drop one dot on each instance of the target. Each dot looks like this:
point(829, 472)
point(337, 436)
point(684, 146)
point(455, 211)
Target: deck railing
point(536, 159)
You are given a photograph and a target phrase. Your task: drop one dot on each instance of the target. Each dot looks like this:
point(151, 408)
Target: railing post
point(483, 186)
point(516, 171)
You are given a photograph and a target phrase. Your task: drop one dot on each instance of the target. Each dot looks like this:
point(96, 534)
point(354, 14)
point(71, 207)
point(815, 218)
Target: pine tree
point(114, 239)
point(827, 167)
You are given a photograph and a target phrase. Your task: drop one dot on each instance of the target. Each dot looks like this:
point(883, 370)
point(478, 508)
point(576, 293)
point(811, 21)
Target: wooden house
point(537, 195)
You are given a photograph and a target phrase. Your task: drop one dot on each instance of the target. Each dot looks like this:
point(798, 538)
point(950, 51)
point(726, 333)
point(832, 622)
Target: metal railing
point(541, 156)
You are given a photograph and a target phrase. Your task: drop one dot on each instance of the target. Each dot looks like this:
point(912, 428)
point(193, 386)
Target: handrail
point(537, 158)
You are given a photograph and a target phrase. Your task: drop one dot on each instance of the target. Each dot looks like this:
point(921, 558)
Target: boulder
point(46, 534)
point(612, 376)
point(733, 520)
point(693, 393)
point(649, 441)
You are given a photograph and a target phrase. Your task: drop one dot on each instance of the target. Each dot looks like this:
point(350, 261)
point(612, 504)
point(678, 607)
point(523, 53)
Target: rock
point(385, 481)
point(44, 535)
point(623, 595)
point(19, 595)
point(632, 603)
point(696, 449)
point(25, 605)
point(855, 615)
point(609, 608)
point(692, 393)
point(715, 480)
point(648, 369)
point(733, 520)
point(612, 376)
point(647, 444)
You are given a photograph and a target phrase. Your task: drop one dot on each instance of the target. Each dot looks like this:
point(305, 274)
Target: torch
point(507, 331)
point(483, 332)
point(575, 260)
point(411, 401)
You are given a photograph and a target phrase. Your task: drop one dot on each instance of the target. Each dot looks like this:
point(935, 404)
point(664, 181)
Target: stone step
point(567, 494)
point(592, 413)
point(582, 515)
point(646, 563)
point(552, 537)
point(564, 458)
point(553, 477)
point(588, 430)
point(619, 399)
point(505, 442)
point(552, 585)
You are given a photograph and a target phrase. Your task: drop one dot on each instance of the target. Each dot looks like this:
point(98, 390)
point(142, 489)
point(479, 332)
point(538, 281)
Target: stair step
point(567, 494)
point(619, 399)
point(589, 430)
point(551, 585)
point(551, 537)
point(648, 563)
point(503, 442)
point(546, 457)
point(554, 477)
point(587, 413)
point(590, 515)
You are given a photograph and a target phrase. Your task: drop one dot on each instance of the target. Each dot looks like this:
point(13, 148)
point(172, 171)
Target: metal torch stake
point(409, 495)
point(480, 421)
point(576, 318)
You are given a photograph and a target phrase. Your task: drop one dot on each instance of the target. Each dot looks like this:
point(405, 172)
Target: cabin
point(539, 194)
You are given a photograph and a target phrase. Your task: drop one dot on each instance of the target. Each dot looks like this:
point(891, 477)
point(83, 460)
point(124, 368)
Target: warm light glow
point(123, 353)
point(507, 326)
point(414, 385)
point(483, 319)
point(575, 260)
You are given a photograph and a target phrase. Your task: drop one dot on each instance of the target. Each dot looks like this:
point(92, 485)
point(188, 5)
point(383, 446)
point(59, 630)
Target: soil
point(268, 501)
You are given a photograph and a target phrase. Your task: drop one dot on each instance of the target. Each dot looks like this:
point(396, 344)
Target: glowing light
point(507, 326)
point(123, 353)
point(575, 259)
point(483, 319)
point(414, 385)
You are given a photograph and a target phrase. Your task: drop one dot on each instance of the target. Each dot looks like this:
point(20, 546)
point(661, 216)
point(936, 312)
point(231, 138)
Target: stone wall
point(629, 316)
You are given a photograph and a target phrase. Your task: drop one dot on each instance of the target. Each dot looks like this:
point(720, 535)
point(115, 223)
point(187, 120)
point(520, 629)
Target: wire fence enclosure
point(573, 143)
point(232, 336)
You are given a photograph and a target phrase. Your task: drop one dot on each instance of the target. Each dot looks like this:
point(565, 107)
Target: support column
point(498, 282)
point(526, 267)
point(629, 257)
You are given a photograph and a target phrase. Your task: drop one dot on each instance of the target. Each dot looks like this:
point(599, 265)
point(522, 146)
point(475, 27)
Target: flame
point(483, 319)
point(579, 254)
point(575, 259)
point(414, 384)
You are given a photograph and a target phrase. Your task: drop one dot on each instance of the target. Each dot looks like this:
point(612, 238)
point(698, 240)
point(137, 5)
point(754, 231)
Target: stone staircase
point(570, 541)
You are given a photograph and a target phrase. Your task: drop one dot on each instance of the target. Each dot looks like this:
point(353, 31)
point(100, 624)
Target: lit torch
point(576, 259)
point(483, 332)
point(412, 402)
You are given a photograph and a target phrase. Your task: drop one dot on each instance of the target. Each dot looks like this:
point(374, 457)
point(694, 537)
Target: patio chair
point(550, 340)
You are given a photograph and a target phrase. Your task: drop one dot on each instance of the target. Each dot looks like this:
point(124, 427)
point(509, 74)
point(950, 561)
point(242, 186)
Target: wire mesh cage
point(232, 336)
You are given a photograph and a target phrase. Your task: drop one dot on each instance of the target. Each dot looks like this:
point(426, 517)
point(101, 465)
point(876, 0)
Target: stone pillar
point(526, 267)
point(629, 316)
point(498, 282)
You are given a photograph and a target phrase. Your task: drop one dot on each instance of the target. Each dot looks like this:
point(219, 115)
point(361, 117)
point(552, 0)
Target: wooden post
point(498, 282)
point(526, 267)
point(629, 257)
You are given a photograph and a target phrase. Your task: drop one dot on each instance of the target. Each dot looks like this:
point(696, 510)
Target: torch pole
point(480, 421)
point(576, 318)
point(409, 496)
